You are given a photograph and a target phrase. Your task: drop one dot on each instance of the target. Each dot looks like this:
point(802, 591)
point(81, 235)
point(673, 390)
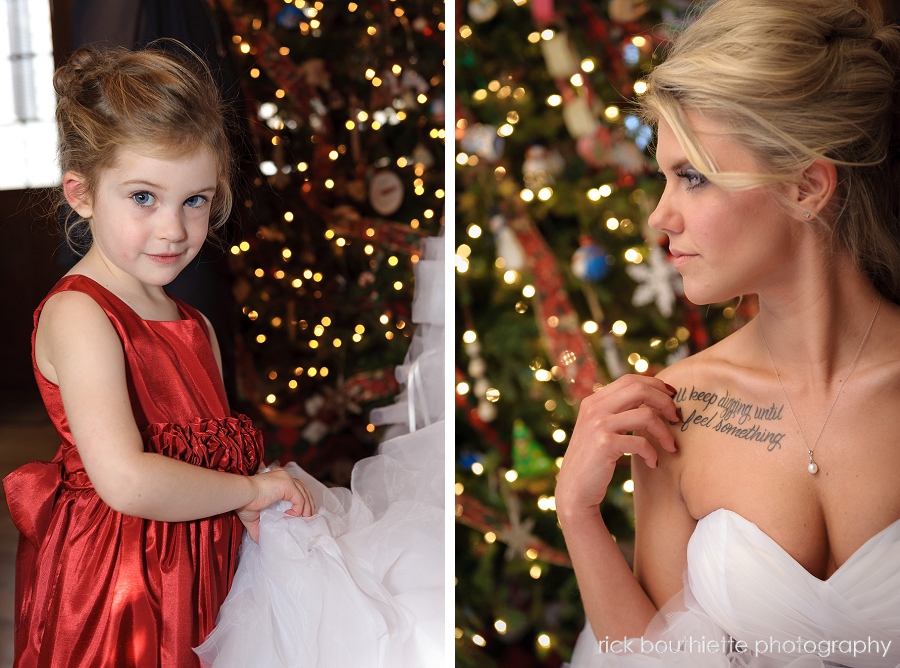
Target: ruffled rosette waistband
point(229, 444)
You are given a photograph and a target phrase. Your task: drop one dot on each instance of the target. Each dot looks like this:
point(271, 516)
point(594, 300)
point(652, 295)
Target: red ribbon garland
point(551, 299)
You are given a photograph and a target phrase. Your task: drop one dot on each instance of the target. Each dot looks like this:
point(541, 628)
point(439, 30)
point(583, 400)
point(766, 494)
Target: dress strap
point(192, 314)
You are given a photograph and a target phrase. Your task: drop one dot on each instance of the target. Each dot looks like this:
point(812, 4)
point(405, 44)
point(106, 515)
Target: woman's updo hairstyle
point(151, 100)
point(795, 81)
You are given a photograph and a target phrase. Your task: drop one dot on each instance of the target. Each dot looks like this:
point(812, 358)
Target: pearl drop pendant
point(812, 468)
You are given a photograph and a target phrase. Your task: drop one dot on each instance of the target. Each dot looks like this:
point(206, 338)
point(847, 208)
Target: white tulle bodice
point(743, 587)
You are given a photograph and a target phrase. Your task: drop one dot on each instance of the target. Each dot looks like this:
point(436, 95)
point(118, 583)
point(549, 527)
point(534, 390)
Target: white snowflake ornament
point(658, 282)
point(518, 536)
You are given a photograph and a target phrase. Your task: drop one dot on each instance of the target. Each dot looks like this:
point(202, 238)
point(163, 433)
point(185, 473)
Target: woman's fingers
point(639, 419)
point(637, 446)
point(633, 392)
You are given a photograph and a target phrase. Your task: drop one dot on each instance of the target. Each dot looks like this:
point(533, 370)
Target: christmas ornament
point(315, 73)
point(559, 56)
point(529, 458)
point(507, 244)
point(289, 17)
point(614, 364)
point(542, 12)
point(482, 10)
point(437, 109)
point(627, 11)
point(518, 535)
point(578, 117)
point(629, 157)
point(589, 261)
point(659, 282)
point(414, 81)
point(486, 411)
point(422, 156)
point(541, 165)
point(315, 431)
point(594, 148)
point(467, 458)
point(474, 514)
point(385, 192)
point(483, 141)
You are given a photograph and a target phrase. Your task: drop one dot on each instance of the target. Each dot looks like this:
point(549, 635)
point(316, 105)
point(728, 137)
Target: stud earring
point(807, 214)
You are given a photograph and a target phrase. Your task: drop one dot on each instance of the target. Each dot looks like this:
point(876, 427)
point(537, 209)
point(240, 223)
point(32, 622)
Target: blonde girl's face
point(724, 243)
point(149, 215)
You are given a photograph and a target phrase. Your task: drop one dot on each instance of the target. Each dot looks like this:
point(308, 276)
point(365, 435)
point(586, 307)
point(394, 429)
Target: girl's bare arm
point(77, 347)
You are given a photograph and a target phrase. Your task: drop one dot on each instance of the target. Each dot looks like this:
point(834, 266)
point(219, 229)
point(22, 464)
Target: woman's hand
point(601, 436)
point(276, 485)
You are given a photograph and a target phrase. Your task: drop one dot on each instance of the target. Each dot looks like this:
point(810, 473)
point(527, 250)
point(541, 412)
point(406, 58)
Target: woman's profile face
point(725, 243)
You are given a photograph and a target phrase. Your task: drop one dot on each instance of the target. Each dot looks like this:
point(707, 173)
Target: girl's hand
point(601, 436)
point(276, 485)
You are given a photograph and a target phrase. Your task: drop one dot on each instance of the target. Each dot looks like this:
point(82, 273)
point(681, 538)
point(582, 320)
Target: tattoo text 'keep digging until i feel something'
point(727, 414)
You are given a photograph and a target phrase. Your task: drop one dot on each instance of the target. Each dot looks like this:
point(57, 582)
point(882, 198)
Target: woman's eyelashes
point(146, 199)
point(693, 178)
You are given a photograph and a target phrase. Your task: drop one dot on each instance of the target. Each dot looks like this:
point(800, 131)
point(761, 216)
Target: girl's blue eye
point(195, 201)
point(143, 198)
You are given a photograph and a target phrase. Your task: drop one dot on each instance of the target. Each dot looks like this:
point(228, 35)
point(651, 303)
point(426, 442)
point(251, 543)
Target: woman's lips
point(681, 258)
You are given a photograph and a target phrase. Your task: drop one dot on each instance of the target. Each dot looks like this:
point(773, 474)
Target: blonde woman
point(767, 507)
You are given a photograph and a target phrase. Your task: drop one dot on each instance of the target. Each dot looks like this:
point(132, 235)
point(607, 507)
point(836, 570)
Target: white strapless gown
point(741, 585)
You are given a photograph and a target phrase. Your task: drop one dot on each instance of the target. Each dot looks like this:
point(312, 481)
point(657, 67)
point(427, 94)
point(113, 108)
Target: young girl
point(128, 537)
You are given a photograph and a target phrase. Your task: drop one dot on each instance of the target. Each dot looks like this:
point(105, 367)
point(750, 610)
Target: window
point(27, 99)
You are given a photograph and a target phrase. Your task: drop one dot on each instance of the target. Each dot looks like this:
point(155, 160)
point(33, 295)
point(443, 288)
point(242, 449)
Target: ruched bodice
point(742, 585)
point(98, 588)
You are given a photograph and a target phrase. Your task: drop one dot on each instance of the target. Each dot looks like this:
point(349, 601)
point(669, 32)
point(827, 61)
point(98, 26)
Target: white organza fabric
point(421, 400)
point(740, 585)
point(361, 583)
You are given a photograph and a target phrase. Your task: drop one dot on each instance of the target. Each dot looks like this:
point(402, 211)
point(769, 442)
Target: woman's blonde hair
point(111, 99)
point(796, 81)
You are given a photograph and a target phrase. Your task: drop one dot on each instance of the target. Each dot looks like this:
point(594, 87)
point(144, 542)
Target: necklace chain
point(813, 467)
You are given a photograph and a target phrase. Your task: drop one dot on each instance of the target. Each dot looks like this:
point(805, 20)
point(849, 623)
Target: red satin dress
point(96, 588)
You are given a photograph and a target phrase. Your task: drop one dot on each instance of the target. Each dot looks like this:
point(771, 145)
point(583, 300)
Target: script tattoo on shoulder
point(728, 414)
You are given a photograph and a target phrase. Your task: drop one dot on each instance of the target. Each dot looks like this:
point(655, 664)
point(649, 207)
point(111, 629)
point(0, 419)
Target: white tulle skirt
point(358, 585)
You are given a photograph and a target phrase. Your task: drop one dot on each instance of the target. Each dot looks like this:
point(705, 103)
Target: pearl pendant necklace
point(812, 467)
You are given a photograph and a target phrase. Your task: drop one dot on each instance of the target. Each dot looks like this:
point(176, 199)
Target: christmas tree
point(346, 106)
point(561, 285)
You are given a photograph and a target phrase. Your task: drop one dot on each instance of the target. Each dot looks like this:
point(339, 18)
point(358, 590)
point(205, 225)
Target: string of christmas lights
point(347, 107)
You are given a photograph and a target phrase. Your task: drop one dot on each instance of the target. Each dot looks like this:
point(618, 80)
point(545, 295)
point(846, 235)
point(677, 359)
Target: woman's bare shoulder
point(720, 363)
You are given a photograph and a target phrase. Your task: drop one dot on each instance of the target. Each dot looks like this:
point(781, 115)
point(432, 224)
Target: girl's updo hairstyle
point(794, 82)
point(153, 100)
